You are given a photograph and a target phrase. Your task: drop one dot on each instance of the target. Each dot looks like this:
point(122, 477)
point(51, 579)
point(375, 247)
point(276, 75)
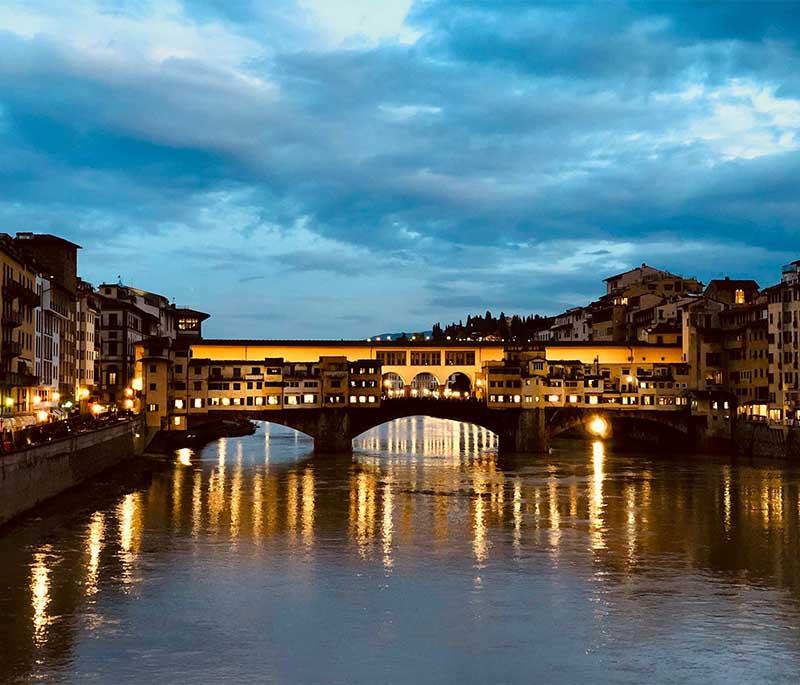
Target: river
point(423, 557)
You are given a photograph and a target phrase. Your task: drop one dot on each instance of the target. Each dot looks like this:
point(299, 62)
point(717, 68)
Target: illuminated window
point(362, 399)
point(177, 420)
point(198, 403)
point(272, 399)
point(372, 399)
point(739, 296)
point(178, 404)
point(291, 399)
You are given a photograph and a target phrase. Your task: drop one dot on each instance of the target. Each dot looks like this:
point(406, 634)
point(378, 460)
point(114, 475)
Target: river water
point(424, 557)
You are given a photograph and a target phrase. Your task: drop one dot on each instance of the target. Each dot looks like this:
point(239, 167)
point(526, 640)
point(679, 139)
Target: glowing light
point(83, 393)
point(128, 404)
point(40, 595)
point(185, 456)
point(9, 401)
point(42, 416)
point(178, 404)
point(128, 392)
point(136, 384)
point(37, 399)
point(56, 396)
point(98, 409)
point(598, 426)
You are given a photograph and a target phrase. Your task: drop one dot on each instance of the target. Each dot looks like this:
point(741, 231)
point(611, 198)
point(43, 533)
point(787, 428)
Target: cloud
point(349, 169)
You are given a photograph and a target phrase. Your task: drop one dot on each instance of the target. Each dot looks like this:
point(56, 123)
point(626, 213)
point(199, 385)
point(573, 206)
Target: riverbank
point(767, 441)
point(29, 477)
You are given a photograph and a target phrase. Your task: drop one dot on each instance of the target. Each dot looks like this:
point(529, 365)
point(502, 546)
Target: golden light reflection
point(480, 546)
point(726, 498)
point(128, 514)
point(94, 546)
point(291, 504)
point(40, 594)
point(185, 456)
point(630, 521)
point(197, 503)
point(308, 507)
point(258, 508)
point(236, 492)
point(596, 497)
point(517, 515)
point(387, 525)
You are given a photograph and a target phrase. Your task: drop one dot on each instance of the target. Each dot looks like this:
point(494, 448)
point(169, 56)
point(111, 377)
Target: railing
point(16, 289)
point(18, 380)
point(11, 349)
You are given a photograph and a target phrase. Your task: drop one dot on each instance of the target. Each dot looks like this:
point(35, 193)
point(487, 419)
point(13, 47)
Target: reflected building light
point(630, 521)
point(555, 516)
point(480, 546)
point(266, 444)
point(596, 497)
point(291, 503)
point(128, 513)
point(177, 492)
point(387, 524)
point(726, 498)
point(185, 456)
point(308, 507)
point(517, 515)
point(94, 545)
point(40, 594)
point(236, 494)
point(197, 503)
point(258, 508)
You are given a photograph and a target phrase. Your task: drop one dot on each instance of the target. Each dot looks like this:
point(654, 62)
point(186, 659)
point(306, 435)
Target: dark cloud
point(509, 157)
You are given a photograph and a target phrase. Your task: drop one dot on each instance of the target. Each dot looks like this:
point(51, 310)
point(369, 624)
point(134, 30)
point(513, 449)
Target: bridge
point(518, 430)
point(336, 390)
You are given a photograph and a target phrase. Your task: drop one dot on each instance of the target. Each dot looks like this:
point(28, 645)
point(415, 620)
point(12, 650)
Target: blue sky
point(340, 169)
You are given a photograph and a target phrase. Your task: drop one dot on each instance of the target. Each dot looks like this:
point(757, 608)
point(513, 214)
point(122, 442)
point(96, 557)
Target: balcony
point(15, 289)
point(12, 319)
point(11, 349)
point(18, 380)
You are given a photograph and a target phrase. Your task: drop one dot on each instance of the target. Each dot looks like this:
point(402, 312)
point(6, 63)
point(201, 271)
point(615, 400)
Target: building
point(783, 317)
point(19, 298)
point(50, 320)
point(128, 316)
point(87, 322)
point(56, 261)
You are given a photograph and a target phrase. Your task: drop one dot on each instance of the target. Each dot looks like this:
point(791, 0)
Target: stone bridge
point(518, 430)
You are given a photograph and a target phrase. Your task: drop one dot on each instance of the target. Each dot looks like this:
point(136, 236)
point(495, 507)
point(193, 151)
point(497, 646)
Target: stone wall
point(763, 441)
point(34, 475)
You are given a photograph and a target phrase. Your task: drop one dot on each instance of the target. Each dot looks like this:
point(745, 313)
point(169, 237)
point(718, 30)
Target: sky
point(334, 168)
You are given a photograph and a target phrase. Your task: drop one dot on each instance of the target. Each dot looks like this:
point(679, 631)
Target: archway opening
point(393, 385)
point(458, 386)
point(424, 385)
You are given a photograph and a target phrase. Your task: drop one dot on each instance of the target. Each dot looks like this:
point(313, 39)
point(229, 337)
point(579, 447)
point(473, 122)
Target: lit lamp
point(128, 404)
point(598, 426)
point(83, 393)
point(56, 396)
point(98, 409)
point(136, 384)
point(42, 416)
point(128, 392)
point(9, 402)
point(37, 399)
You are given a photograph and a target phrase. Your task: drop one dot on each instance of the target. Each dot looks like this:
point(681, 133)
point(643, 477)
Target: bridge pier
point(332, 433)
point(522, 431)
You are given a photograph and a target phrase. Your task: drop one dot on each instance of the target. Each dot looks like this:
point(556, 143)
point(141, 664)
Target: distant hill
point(395, 336)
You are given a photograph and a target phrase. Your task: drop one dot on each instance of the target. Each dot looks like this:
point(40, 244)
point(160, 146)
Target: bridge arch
point(393, 384)
point(657, 427)
point(424, 384)
point(458, 385)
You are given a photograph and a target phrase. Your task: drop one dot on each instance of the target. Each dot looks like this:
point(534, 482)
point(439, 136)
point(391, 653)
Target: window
point(739, 296)
point(152, 386)
point(198, 402)
point(152, 407)
point(459, 358)
point(152, 368)
point(420, 358)
point(391, 357)
point(255, 370)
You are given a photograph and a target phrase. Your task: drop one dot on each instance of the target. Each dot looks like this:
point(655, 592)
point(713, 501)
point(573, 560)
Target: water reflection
point(422, 502)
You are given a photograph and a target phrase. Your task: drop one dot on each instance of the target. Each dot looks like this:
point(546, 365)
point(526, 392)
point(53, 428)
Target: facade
point(783, 317)
point(19, 297)
point(56, 261)
point(87, 323)
point(49, 322)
